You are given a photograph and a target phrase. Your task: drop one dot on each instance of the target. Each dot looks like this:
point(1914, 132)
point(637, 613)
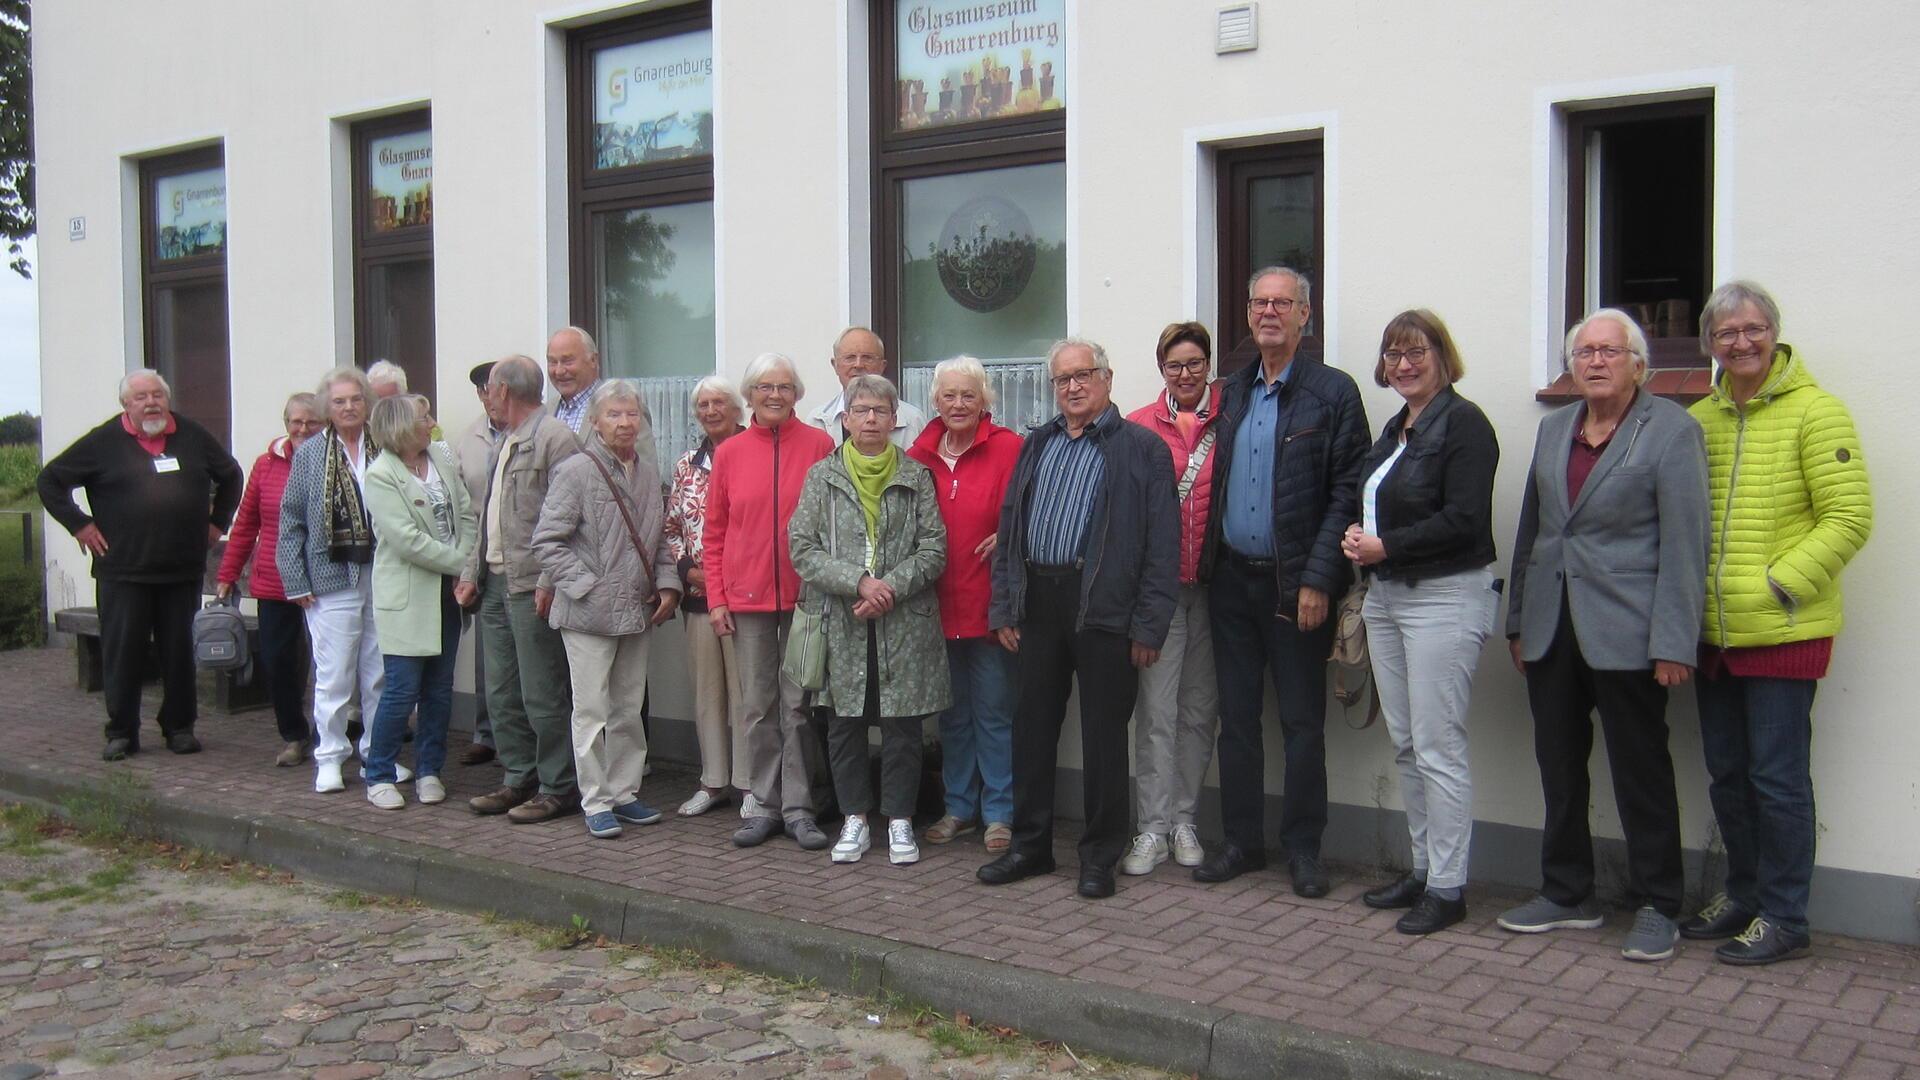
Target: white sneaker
point(750, 808)
point(901, 849)
point(1149, 850)
point(401, 774)
point(385, 796)
point(1186, 846)
point(430, 790)
point(701, 802)
point(326, 778)
point(853, 841)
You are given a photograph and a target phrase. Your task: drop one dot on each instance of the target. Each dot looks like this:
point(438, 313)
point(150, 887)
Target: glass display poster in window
point(653, 100)
point(961, 60)
point(983, 264)
point(190, 214)
point(400, 180)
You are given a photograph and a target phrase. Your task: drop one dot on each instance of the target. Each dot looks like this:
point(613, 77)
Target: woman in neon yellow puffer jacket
point(1790, 508)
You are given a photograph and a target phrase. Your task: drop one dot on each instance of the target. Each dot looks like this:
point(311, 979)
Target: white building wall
point(1439, 133)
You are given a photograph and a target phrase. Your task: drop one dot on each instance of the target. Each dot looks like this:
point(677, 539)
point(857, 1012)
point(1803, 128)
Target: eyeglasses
point(1605, 352)
point(1730, 334)
point(861, 412)
point(1280, 304)
point(769, 389)
point(1417, 354)
point(1190, 367)
point(1083, 377)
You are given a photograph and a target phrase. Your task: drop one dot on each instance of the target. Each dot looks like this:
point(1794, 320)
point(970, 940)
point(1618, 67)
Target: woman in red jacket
point(972, 459)
point(1178, 711)
point(751, 589)
point(283, 627)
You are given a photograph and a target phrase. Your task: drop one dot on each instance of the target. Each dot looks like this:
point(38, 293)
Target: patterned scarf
point(350, 534)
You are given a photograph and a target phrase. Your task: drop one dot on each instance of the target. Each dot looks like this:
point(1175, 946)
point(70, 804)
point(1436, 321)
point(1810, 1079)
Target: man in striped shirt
point(1084, 579)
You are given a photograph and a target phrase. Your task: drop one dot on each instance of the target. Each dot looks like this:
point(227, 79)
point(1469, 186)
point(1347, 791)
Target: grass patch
point(238, 1046)
point(28, 828)
point(100, 1056)
point(105, 886)
point(149, 1031)
point(114, 812)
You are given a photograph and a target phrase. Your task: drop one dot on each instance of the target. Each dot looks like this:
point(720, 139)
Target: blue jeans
point(1757, 736)
point(428, 682)
point(976, 733)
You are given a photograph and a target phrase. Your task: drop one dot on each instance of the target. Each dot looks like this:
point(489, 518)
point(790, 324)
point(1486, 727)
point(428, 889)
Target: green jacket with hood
point(1790, 508)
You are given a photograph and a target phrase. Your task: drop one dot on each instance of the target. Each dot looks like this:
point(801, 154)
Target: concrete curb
point(1126, 1024)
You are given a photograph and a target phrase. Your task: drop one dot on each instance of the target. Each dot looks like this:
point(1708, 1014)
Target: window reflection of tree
point(638, 254)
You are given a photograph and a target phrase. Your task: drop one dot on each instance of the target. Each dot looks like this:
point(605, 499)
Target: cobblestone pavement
point(1562, 1004)
point(123, 966)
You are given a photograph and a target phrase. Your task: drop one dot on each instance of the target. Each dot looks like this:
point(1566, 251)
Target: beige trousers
point(609, 676)
point(716, 703)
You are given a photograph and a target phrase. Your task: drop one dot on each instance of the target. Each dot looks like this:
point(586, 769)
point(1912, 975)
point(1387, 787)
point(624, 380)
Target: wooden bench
point(223, 690)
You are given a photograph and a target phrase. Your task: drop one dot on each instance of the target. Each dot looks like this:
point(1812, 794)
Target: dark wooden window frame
point(592, 191)
point(948, 150)
point(1679, 371)
point(375, 249)
point(1235, 170)
point(157, 275)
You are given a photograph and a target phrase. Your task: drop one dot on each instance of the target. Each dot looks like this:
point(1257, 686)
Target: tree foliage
point(20, 429)
point(16, 131)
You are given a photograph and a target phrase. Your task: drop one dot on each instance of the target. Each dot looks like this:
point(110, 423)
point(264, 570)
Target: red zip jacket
point(757, 476)
point(257, 525)
point(970, 498)
point(1158, 418)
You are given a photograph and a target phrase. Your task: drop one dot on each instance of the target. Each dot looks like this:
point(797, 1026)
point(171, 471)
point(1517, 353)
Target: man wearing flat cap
point(474, 451)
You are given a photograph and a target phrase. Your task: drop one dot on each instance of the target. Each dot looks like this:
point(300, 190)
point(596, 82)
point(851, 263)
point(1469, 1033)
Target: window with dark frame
point(1269, 204)
point(969, 191)
point(640, 180)
point(1640, 231)
point(393, 246)
point(183, 261)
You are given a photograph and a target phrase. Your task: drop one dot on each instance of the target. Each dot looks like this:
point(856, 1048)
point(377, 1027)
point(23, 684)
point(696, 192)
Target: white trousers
point(609, 676)
point(1176, 718)
point(1424, 640)
point(346, 653)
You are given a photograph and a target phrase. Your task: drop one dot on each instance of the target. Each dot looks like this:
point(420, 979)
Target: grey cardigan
point(1630, 554)
point(301, 554)
point(600, 583)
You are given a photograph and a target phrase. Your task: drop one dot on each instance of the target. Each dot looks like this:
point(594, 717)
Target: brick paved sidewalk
point(1563, 1004)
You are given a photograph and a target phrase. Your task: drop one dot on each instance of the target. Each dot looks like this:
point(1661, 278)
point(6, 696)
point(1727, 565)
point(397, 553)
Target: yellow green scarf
point(870, 476)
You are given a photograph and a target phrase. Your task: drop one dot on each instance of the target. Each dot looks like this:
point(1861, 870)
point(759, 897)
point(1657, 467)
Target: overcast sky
point(19, 339)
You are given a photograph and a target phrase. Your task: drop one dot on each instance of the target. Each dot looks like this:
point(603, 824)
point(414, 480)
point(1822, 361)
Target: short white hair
point(717, 384)
point(1636, 339)
point(765, 363)
point(1093, 347)
point(126, 383)
point(961, 367)
point(610, 391)
point(586, 339)
point(387, 373)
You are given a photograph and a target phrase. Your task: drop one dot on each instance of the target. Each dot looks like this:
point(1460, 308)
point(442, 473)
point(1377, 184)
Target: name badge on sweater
point(165, 463)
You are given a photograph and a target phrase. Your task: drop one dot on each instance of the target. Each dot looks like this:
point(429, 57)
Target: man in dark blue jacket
point(1293, 435)
point(1084, 578)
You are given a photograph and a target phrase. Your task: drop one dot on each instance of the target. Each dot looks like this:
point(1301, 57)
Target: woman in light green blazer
point(424, 530)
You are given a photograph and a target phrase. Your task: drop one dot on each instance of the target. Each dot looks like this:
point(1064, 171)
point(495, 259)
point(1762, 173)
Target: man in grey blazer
point(1608, 585)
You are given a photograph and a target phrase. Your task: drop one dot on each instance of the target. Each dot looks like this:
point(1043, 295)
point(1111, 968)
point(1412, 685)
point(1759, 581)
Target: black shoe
point(1096, 883)
point(1402, 893)
point(1228, 863)
point(1431, 913)
point(183, 742)
point(1763, 942)
point(119, 750)
point(1309, 877)
point(1721, 918)
point(1014, 866)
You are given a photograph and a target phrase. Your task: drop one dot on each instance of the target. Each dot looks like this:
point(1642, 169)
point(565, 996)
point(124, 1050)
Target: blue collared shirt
point(573, 411)
point(1249, 495)
point(1065, 481)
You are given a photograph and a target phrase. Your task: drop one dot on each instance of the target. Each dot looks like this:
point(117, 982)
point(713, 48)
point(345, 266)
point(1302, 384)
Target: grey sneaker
point(1149, 850)
point(806, 832)
point(1540, 914)
point(755, 831)
point(1651, 938)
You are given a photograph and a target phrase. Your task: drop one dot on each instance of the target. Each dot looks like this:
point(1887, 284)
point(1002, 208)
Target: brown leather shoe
point(500, 800)
point(544, 807)
point(476, 754)
point(294, 753)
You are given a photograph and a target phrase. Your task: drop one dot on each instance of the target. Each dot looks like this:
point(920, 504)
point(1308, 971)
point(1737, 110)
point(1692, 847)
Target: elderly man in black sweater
point(161, 490)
